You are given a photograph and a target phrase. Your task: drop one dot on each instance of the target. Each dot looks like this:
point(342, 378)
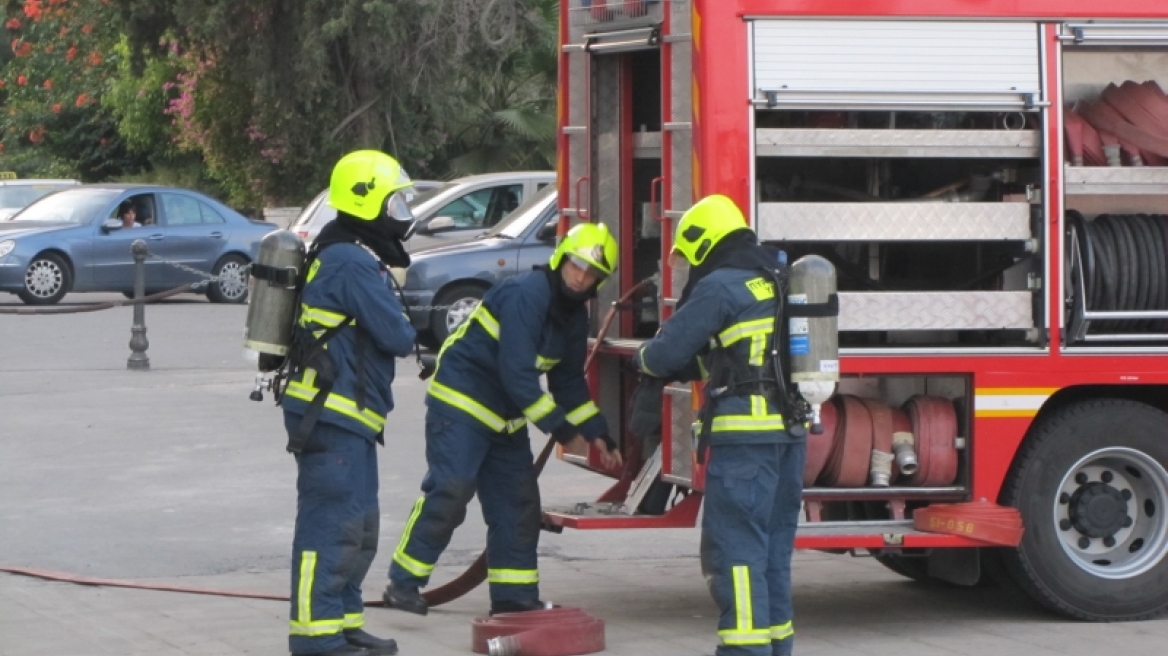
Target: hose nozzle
point(906, 455)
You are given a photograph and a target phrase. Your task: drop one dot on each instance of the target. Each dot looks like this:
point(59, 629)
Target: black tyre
point(909, 566)
point(456, 304)
point(1091, 484)
point(231, 286)
point(46, 280)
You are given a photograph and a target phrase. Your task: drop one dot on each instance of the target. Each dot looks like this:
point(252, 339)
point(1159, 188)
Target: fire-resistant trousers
point(753, 494)
point(336, 536)
point(464, 456)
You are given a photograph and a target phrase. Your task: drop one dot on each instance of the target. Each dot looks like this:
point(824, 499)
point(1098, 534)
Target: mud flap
point(960, 566)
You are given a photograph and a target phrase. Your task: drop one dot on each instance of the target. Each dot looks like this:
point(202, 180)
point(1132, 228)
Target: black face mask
point(380, 235)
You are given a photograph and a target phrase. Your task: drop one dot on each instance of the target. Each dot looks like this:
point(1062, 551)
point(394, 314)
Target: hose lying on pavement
point(467, 581)
point(94, 307)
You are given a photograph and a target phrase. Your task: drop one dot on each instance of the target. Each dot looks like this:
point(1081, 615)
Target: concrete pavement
point(173, 476)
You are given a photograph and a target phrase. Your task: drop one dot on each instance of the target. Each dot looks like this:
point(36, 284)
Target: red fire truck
point(988, 178)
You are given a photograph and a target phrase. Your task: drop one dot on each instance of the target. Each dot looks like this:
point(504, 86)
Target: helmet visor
point(397, 210)
point(587, 266)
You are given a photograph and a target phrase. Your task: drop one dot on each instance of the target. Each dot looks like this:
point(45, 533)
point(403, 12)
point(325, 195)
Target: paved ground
point(172, 476)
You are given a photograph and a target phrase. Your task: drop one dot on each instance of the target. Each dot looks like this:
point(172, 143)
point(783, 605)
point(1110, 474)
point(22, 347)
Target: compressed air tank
point(813, 308)
point(274, 296)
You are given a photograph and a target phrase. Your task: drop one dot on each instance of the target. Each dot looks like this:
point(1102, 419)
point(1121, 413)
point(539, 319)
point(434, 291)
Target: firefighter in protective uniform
point(335, 409)
point(484, 393)
point(723, 330)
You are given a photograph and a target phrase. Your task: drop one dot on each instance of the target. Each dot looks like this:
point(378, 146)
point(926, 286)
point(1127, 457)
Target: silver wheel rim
point(44, 279)
point(232, 283)
point(1094, 503)
point(458, 312)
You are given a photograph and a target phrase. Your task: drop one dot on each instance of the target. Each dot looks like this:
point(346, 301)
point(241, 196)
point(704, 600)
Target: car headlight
point(6, 247)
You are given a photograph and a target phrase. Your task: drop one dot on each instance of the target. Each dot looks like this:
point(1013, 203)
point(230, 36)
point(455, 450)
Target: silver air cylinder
point(814, 345)
point(272, 307)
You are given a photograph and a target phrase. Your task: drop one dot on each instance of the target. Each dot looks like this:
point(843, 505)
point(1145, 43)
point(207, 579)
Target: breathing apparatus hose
point(477, 572)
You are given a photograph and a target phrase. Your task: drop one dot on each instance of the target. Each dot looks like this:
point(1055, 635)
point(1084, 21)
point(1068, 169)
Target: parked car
point(16, 195)
point(455, 277)
point(452, 212)
point(73, 240)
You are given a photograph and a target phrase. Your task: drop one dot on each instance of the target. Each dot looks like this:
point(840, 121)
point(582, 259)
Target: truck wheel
point(456, 305)
point(46, 280)
point(911, 567)
point(1092, 488)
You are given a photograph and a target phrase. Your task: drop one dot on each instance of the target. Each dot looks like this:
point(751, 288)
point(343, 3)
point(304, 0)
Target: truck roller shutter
point(882, 65)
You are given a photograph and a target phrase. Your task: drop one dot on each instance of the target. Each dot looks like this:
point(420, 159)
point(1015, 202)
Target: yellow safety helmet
point(704, 225)
point(368, 185)
point(588, 246)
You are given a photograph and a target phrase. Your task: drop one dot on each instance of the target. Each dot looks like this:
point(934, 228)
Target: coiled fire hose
point(477, 572)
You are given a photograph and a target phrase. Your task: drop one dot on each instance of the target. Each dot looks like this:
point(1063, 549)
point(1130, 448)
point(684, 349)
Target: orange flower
point(86, 29)
point(49, 48)
point(71, 54)
point(23, 49)
point(82, 99)
point(63, 32)
point(22, 80)
point(37, 135)
point(56, 108)
point(48, 84)
point(32, 9)
point(13, 24)
point(94, 58)
point(3, 82)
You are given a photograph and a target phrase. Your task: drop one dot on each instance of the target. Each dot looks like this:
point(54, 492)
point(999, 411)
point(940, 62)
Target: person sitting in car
point(128, 214)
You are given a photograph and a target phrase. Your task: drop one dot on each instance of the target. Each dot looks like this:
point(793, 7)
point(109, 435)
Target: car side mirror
point(109, 225)
point(548, 231)
point(440, 224)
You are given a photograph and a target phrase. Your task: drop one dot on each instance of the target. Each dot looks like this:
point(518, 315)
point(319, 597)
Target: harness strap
point(319, 359)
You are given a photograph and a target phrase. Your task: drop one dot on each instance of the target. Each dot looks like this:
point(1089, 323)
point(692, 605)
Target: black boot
point(517, 606)
point(376, 646)
point(407, 599)
point(343, 650)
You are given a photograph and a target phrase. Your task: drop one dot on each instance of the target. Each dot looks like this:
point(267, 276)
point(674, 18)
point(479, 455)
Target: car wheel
point(455, 305)
point(46, 280)
point(1092, 488)
point(231, 286)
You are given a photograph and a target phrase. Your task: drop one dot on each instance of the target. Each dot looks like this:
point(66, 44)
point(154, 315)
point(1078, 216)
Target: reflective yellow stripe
point(411, 565)
point(486, 320)
point(583, 413)
point(540, 409)
point(513, 576)
point(759, 418)
point(354, 620)
point(757, 349)
point(545, 364)
point(733, 637)
point(744, 632)
point(326, 318)
point(474, 408)
point(337, 403)
point(727, 423)
point(644, 367)
point(746, 329)
point(304, 624)
point(782, 631)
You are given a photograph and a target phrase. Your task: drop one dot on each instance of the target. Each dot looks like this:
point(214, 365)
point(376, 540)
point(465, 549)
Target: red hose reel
point(559, 631)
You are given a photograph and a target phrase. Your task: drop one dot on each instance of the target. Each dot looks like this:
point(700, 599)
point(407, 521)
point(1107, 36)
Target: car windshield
point(427, 195)
point(517, 221)
point(17, 196)
point(71, 206)
point(306, 215)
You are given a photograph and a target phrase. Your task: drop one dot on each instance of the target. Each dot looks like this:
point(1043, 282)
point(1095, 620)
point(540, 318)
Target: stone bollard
point(138, 342)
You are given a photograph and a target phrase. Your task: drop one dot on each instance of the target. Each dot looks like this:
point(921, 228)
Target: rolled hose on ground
point(477, 572)
point(467, 581)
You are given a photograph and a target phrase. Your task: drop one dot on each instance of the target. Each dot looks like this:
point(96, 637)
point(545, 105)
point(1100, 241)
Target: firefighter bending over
point(484, 392)
point(337, 399)
point(725, 325)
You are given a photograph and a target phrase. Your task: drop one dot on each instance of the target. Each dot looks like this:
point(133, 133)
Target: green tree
point(52, 78)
